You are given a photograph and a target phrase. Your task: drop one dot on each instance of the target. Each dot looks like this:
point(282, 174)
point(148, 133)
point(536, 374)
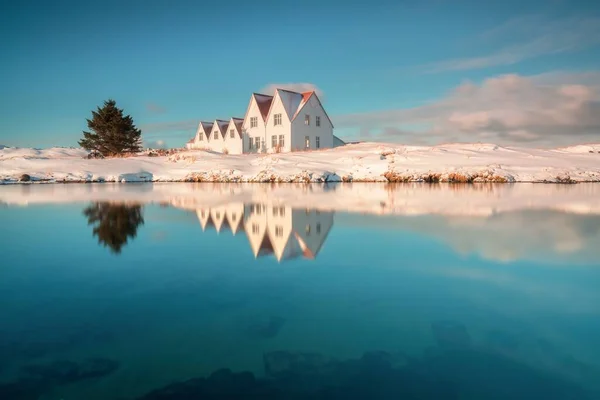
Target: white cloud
point(156, 144)
point(154, 108)
point(295, 87)
point(529, 37)
point(544, 110)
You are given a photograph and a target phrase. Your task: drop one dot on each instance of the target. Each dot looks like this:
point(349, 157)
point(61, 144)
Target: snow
point(355, 162)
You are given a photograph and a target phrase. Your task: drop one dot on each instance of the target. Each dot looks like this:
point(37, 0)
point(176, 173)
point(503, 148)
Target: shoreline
point(360, 163)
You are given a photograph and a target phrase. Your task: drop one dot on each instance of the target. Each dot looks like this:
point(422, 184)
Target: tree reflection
point(114, 223)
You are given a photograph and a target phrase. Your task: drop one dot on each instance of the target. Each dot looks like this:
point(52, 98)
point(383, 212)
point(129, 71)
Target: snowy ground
point(357, 162)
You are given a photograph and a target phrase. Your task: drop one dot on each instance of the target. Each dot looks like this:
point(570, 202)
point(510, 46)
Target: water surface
point(421, 291)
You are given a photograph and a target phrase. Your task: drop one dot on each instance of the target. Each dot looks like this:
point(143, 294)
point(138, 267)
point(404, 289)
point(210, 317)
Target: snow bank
point(372, 162)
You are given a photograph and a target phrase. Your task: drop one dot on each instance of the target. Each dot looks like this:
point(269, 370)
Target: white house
point(286, 121)
point(272, 229)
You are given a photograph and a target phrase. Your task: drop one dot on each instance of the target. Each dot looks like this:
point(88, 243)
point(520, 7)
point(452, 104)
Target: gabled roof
point(305, 98)
point(264, 103)
point(206, 127)
point(290, 100)
point(222, 125)
point(238, 124)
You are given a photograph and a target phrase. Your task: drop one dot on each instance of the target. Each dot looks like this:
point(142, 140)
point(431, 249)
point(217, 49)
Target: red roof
point(264, 104)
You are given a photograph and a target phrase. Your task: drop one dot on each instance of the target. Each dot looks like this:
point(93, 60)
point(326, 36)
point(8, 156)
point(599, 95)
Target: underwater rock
point(21, 390)
point(222, 384)
point(490, 376)
point(267, 328)
point(502, 340)
point(62, 372)
point(384, 359)
point(451, 334)
point(278, 363)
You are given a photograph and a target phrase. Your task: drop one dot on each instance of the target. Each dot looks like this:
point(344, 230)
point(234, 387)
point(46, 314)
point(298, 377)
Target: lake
point(285, 291)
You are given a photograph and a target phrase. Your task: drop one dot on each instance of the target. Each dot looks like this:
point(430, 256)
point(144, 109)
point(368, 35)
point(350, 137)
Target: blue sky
point(414, 72)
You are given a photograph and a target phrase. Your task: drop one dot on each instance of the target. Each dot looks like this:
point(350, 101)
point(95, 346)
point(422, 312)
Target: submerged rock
point(267, 328)
point(63, 372)
point(451, 334)
point(502, 341)
point(278, 363)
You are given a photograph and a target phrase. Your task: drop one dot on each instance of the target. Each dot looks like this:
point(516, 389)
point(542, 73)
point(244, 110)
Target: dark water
point(300, 291)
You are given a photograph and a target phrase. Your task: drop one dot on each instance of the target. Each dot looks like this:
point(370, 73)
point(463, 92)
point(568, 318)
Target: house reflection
point(272, 229)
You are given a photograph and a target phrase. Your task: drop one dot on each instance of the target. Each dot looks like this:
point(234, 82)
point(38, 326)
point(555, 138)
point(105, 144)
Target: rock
point(62, 372)
point(451, 335)
point(24, 178)
point(279, 363)
point(267, 328)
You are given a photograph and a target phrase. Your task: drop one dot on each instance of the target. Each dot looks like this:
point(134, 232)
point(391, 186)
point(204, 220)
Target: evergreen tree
point(114, 223)
point(112, 133)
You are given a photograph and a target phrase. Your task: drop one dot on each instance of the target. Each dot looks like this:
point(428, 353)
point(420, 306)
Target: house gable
point(311, 98)
point(289, 100)
point(235, 124)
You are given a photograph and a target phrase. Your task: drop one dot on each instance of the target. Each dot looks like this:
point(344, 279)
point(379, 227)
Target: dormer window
point(277, 119)
point(232, 133)
point(216, 135)
point(253, 122)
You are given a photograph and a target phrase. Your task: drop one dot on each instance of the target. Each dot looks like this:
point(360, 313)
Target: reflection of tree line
point(113, 223)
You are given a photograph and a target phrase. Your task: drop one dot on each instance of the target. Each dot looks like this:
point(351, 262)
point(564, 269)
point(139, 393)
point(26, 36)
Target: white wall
point(300, 130)
point(215, 144)
point(233, 145)
point(259, 131)
point(283, 129)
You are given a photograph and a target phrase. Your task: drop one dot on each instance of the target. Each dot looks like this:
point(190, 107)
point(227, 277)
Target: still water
point(301, 291)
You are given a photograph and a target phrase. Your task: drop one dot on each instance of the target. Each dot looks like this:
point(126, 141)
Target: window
point(218, 215)
point(307, 230)
point(203, 213)
point(274, 141)
point(282, 211)
point(278, 211)
point(253, 122)
point(318, 142)
point(254, 228)
point(216, 136)
point(201, 137)
point(232, 133)
point(318, 121)
point(279, 231)
point(318, 229)
point(233, 217)
point(277, 119)
point(256, 209)
point(281, 141)
point(307, 142)
point(306, 119)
